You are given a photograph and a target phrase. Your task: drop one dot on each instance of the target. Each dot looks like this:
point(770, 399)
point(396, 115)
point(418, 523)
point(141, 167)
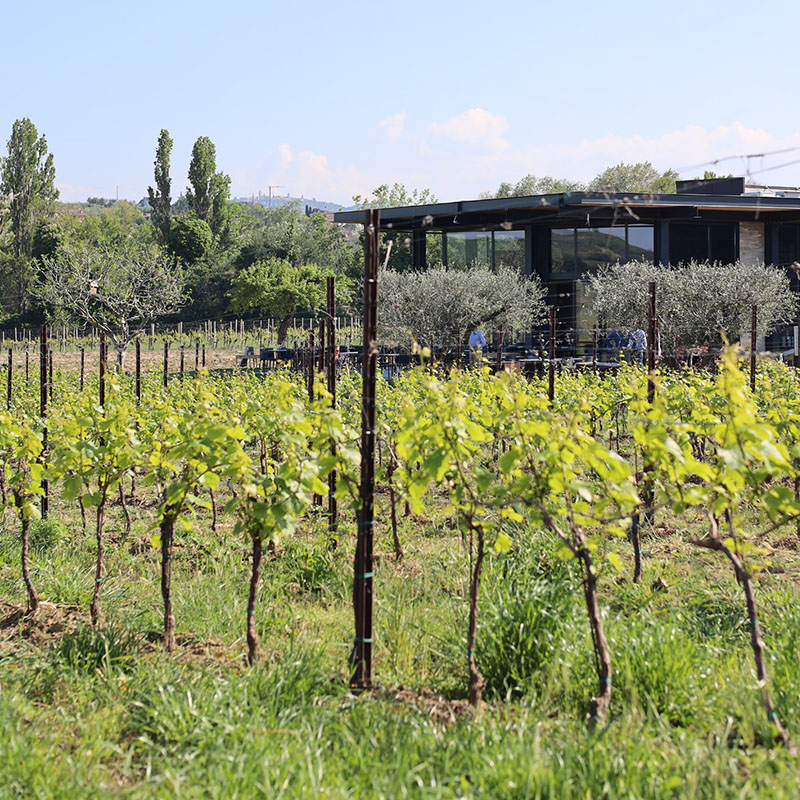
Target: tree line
point(118, 266)
point(186, 252)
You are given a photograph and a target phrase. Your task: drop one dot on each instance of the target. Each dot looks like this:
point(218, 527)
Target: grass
point(106, 713)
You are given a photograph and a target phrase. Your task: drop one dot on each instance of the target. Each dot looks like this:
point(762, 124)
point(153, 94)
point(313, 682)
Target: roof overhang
point(593, 208)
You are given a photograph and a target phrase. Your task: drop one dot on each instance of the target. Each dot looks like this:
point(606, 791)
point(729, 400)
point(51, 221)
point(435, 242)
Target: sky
point(327, 100)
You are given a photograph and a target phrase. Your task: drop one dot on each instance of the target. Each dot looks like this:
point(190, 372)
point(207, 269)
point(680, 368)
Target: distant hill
point(301, 202)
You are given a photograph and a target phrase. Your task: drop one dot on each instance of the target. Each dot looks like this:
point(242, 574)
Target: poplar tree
point(209, 192)
point(27, 176)
point(159, 198)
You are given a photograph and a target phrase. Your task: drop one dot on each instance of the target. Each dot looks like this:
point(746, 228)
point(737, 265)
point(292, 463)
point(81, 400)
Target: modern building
point(561, 237)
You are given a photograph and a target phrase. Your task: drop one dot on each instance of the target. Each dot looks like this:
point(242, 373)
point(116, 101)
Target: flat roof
point(620, 206)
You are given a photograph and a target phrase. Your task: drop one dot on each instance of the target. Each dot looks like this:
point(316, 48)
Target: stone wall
point(751, 242)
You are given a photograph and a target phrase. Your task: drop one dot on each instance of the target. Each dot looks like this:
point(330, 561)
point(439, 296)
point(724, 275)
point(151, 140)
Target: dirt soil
point(50, 622)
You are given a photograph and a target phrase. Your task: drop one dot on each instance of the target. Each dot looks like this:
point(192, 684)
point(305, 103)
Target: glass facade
point(467, 248)
point(562, 251)
point(509, 249)
point(641, 243)
point(701, 241)
point(788, 244)
point(486, 247)
point(574, 251)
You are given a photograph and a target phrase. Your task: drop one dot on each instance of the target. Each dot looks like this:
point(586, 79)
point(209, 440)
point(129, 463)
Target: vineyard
point(594, 594)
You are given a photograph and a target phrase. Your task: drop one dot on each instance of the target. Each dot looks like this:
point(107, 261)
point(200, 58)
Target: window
point(574, 251)
point(641, 244)
point(465, 248)
point(562, 251)
point(509, 249)
point(788, 248)
point(598, 246)
point(702, 242)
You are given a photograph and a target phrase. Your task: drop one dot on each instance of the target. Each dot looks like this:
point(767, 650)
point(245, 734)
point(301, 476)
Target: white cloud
point(689, 150)
point(72, 193)
point(461, 174)
point(475, 126)
point(394, 127)
point(285, 155)
point(309, 174)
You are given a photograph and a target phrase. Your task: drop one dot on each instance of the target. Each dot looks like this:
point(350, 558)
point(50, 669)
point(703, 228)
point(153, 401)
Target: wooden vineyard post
point(594, 350)
point(753, 328)
point(651, 343)
point(499, 364)
point(363, 574)
point(196, 356)
point(551, 369)
point(27, 359)
point(10, 373)
point(50, 371)
point(138, 370)
point(43, 412)
point(796, 344)
point(331, 352)
point(102, 368)
point(166, 362)
point(310, 367)
point(322, 345)
point(648, 494)
point(311, 375)
point(182, 360)
point(83, 365)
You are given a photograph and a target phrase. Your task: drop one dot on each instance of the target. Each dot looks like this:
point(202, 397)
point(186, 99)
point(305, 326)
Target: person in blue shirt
point(614, 342)
point(477, 344)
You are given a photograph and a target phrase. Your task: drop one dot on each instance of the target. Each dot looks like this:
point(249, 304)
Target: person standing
point(638, 345)
point(614, 343)
point(477, 344)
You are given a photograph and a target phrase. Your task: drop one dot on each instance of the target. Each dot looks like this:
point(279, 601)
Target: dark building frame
point(706, 220)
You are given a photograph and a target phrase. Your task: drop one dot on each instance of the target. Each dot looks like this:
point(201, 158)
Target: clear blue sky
point(329, 99)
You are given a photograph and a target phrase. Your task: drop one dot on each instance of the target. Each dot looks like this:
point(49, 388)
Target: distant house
point(75, 211)
point(560, 237)
point(329, 215)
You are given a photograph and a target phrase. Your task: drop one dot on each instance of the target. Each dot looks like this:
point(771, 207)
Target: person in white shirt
point(638, 344)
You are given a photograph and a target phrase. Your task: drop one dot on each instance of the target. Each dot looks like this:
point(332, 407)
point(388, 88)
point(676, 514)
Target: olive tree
point(274, 286)
point(437, 308)
point(118, 290)
point(697, 303)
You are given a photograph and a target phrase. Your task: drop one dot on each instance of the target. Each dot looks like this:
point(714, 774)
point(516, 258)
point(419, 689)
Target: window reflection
point(597, 246)
point(467, 248)
point(641, 243)
point(580, 250)
point(562, 250)
point(509, 249)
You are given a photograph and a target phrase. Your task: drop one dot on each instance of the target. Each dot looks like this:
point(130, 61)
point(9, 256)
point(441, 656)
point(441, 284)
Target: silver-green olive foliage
point(696, 303)
point(437, 308)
